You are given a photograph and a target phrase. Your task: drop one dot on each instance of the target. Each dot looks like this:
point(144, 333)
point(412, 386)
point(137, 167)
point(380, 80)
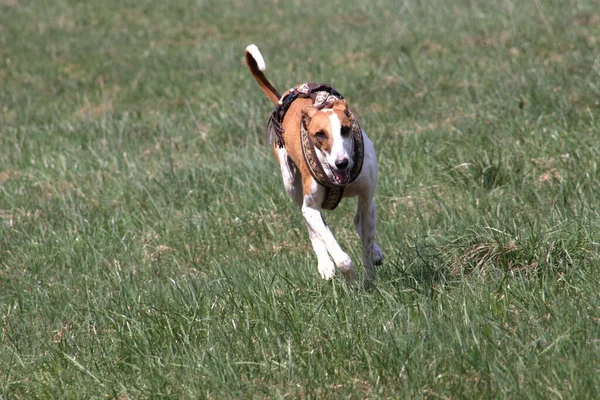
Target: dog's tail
point(256, 63)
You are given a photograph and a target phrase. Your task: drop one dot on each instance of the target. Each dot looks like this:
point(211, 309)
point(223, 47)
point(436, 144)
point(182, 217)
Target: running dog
point(324, 156)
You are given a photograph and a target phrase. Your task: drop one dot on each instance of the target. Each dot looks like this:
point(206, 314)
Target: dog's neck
point(319, 168)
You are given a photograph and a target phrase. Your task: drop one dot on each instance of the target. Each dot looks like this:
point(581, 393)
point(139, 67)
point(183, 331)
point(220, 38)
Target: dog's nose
point(341, 163)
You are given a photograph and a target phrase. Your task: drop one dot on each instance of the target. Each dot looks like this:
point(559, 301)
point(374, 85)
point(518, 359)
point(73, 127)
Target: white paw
point(326, 269)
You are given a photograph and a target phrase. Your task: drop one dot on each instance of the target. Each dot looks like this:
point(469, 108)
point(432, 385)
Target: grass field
point(148, 248)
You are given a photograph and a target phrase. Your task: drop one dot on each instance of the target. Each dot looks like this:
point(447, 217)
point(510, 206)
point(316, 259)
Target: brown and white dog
point(328, 129)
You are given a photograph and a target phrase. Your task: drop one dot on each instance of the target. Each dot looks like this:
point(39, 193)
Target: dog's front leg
point(324, 242)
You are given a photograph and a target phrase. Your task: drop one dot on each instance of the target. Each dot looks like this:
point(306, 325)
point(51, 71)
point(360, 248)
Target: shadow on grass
point(417, 267)
point(492, 254)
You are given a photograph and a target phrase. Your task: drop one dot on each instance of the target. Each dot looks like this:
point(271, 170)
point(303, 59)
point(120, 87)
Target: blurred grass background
point(148, 248)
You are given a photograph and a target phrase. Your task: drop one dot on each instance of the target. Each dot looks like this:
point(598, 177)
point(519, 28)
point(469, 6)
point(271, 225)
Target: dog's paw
point(326, 269)
point(377, 255)
point(346, 267)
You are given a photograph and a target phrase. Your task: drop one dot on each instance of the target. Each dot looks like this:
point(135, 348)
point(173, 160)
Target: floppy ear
point(341, 105)
point(307, 114)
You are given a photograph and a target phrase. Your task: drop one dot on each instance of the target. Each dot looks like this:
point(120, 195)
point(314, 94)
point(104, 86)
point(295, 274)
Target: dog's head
point(330, 130)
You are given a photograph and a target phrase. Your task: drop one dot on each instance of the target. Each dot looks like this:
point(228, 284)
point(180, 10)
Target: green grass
point(148, 248)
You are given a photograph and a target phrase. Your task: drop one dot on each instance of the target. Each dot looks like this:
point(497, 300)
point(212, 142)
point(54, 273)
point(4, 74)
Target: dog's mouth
point(340, 176)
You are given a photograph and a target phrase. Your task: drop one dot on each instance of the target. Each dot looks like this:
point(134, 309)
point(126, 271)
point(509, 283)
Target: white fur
point(255, 53)
point(342, 146)
point(322, 239)
point(291, 177)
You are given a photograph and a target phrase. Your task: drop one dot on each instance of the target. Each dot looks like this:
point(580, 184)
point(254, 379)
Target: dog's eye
point(345, 130)
point(320, 135)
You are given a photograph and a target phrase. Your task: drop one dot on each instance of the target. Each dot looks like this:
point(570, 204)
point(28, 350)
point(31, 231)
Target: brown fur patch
point(291, 138)
point(321, 123)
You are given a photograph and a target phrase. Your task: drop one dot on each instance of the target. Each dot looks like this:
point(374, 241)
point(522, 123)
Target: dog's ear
point(341, 105)
point(308, 113)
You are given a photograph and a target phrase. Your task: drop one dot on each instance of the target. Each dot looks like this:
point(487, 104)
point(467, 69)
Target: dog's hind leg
point(365, 222)
point(377, 253)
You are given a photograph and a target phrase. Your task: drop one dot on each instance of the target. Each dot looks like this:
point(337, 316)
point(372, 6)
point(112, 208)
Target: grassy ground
point(147, 247)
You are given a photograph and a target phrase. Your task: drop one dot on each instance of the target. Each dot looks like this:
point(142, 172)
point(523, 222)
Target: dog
point(324, 156)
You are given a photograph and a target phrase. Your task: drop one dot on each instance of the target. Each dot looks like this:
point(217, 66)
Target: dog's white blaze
point(255, 53)
point(341, 146)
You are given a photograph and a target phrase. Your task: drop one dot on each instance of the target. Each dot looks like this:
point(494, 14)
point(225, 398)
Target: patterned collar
point(322, 96)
